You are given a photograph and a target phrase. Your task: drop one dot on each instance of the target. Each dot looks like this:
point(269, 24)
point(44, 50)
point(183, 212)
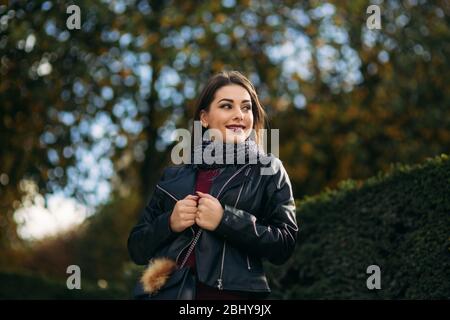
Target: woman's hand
point(209, 212)
point(184, 213)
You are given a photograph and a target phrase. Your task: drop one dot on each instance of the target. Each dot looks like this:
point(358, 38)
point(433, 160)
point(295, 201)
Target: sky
point(36, 221)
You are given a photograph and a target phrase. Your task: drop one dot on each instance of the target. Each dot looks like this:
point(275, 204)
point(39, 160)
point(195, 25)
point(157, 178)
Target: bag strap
point(191, 247)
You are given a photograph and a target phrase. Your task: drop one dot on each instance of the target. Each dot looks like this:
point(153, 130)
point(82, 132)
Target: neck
point(216, 154)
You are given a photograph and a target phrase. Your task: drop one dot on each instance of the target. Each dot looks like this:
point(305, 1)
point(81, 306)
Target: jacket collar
point(184, 182)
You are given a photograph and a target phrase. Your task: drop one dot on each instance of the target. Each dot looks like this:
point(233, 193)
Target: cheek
point(216, 119)
point(221, 118)
point(250, 120)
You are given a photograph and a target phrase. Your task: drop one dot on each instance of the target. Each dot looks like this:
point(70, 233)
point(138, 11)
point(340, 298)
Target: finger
point(191, 197)
point(190, 203)
point(189, 223)
point(188, 216)
point(184, 205)
point(190, 210)
point(205, 195)
point(203, 201)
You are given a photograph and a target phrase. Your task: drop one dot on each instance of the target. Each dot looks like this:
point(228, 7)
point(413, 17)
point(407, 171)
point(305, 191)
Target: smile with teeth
point(236, 128)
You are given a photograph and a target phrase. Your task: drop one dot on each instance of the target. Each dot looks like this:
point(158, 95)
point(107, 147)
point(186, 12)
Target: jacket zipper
point(181, 251)
point(193, 232)
point(220, 280)
point(225, 184)
point(248, 260)
point(221, 189)
point(196, 237)
point(166, 192)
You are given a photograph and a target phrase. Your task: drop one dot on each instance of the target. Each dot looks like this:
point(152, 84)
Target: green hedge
point(399, 221)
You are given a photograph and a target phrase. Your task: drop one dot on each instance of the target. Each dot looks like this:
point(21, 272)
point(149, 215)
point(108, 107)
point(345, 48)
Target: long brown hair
point(225, 78)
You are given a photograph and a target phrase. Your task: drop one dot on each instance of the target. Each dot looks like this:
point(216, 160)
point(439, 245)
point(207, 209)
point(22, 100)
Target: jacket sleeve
point(274, 237)
point(151, 231)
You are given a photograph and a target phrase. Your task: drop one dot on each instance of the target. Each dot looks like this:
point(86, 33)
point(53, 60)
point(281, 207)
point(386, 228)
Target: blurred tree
point(47, 89)
point(394, 110)
point(114, 90)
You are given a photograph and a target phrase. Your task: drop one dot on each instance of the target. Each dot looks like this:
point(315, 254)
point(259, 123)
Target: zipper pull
point(219, 284)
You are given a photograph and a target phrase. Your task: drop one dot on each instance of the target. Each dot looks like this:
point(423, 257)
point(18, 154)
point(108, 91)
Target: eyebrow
point(230, 100)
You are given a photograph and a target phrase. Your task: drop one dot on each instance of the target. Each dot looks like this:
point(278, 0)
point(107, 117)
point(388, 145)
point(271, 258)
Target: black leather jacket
point(259, 222)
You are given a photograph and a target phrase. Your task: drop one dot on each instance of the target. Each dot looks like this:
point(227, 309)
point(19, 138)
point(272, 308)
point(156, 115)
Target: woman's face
point(231, 113)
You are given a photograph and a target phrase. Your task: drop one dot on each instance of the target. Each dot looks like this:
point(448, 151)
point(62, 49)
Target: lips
point(235, 127)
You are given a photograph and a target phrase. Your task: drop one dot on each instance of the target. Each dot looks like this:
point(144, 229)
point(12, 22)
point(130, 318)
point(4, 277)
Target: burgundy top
point(204, 292)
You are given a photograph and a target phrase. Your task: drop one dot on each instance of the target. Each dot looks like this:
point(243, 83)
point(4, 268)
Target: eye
point(248, 107)
point(226, 106)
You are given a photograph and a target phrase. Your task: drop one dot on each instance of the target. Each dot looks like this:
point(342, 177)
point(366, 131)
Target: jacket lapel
point(230, 177)
point(182, 184)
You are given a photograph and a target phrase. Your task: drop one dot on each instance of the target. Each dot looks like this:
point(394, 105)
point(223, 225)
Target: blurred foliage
point(397, 113)
point(30, 286)
point(80, 107)
point(397, 220)
point(98, 247)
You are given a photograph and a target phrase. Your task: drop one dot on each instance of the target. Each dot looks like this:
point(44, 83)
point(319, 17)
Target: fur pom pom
point(157, 273)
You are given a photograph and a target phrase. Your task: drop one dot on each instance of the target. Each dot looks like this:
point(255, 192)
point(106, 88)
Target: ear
point(204, 118)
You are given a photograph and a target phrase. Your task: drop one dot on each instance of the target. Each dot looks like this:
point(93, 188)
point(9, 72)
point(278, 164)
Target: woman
point(244, 215)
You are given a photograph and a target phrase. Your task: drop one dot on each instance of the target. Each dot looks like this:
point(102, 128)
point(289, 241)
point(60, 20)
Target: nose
point(238, 114)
